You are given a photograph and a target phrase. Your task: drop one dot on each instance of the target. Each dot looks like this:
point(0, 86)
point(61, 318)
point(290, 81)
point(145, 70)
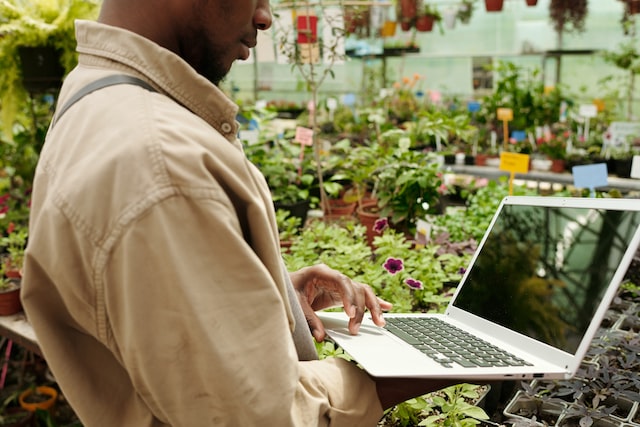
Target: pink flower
point(380, 225)
point(393, 265)
point(413, 283)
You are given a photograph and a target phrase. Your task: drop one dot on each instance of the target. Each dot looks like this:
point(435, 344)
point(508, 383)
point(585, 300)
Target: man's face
point(222, 31)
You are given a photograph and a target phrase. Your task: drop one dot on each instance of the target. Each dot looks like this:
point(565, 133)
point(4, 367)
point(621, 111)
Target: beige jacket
point(153, 277)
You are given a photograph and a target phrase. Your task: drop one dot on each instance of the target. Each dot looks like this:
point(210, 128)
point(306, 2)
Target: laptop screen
point(543, 270)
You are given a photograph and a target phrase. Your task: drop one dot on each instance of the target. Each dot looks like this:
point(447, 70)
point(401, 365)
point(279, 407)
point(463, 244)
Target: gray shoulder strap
point(117, 79)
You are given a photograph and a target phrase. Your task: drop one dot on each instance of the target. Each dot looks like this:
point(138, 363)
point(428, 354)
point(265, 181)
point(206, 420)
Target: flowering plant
point(554, 146)
point(403, 101)
point(422, 279)
point(410, 186)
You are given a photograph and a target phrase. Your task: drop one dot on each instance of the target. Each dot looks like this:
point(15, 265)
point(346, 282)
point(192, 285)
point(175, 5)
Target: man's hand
point(319, 287)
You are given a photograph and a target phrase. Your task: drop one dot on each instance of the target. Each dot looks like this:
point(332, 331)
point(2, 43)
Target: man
point(153, 277)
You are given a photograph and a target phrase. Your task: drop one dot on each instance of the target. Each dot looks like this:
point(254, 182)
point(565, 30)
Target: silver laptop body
point(537, 287)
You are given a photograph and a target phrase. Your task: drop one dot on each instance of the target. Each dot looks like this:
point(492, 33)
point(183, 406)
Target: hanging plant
point(493, 5)
point(568, 15)
point(407, 11)
point(465, 11)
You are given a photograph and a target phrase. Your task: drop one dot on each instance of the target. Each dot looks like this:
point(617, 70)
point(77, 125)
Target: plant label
point(473, 106)
point(304, 136)
point(505, 114)
point(635, 167)
point(588, 110)
point(590, 176)
point(519, 135)
point(514, 162)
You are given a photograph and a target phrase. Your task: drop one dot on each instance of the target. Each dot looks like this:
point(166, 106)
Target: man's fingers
point(316, 327)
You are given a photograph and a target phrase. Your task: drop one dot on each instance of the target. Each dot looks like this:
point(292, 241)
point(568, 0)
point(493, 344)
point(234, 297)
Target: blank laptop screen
point(543, 270)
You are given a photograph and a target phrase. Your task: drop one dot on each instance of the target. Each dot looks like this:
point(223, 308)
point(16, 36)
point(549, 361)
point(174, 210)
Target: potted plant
point(567, 16)
point(410, 187)
point(407, 11)
point(9, 294)
point(13, 246)
point(41, 28)
point(493, 5)
point(465, 11)
point(427, 16)
point(288, 227)
point(289, 174)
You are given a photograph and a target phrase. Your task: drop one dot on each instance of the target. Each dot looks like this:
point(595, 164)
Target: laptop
point(528, 305)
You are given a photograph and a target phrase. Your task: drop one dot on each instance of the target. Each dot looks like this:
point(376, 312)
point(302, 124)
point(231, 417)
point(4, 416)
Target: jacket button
point(226, 127)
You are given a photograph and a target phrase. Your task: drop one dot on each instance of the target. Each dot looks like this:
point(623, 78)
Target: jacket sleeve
point(204, 333)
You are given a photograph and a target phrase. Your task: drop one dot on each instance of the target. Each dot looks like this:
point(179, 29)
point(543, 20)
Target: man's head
point(209, 34)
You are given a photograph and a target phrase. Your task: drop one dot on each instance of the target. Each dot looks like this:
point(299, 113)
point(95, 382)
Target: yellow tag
point(505, 114)
point(514, 162)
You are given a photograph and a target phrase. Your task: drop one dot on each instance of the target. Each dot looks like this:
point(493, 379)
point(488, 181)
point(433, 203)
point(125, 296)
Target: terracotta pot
point(531, 2)
point(10, 301)
point(424, 23)
point(493, 5)
point(408, 9)
point(339, 209)
point(633, 7)
point(368, 214)
point(557, 165)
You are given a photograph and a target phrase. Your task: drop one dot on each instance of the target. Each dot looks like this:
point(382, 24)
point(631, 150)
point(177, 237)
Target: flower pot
point(531, 2)
point(543, 165)
point(307, 29)
point(339, 209)
point(424, 23)
point(388, 29)
point(368, 214)
point(10, 299)
point(493, 5)
point(449, 17)
point(633, 7)
point(46, 398)
point(557, 165)
point(622, 167)
point(407, 11)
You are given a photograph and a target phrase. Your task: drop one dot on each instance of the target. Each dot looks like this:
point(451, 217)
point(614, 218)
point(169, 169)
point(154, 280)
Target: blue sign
point(519, 135)
point(473, 106)
point(590, 176)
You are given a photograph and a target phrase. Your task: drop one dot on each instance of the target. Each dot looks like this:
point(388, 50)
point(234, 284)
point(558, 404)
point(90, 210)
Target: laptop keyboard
point(449, 345)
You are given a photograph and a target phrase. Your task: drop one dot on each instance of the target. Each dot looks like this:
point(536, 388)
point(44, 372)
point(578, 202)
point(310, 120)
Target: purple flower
point(462, 270)
point(393, 265)
point(380, 225)
point(413, 283)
